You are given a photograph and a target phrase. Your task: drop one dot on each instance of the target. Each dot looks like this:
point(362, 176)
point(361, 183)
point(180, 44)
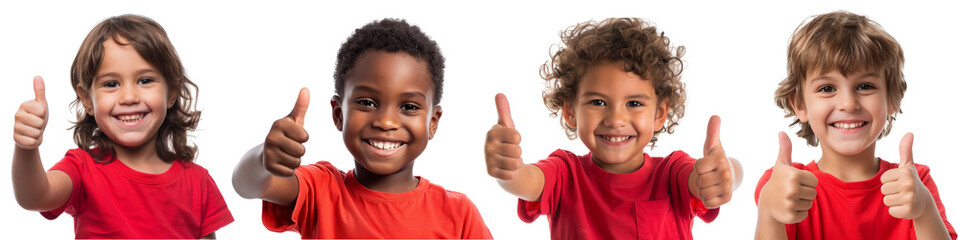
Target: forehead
point(390, 72)
point(121, 57)
point(610, 78)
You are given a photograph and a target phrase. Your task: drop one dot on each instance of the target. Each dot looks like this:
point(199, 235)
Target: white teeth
point(616, 139)
point(131, 117)
point(848, 125)
point(384, 145)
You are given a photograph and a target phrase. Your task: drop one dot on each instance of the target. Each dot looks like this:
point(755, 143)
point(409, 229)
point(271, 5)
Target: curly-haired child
point(132, 175)
point(843, 87)
point(615, 85)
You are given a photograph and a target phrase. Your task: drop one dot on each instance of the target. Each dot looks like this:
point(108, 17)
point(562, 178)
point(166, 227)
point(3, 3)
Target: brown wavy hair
point(644, 51)
point(151, 42)
point(847, 43)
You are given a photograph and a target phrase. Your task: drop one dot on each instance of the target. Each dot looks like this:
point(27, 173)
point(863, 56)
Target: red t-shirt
point(332, 204)
point(583, 201)
point(854, 210)
point(114, 201)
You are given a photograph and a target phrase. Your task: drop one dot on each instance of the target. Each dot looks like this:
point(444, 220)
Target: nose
point(386, 119)
point(849, 101)
point(129, 94)
point(615, 117)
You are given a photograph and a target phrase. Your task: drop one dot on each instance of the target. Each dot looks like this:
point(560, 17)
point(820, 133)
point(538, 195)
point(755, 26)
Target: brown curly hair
point(151, 42)
point(847, 43)
point(643, 50)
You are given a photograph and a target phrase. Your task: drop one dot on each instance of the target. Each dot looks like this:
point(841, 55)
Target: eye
point(597, 102)
point(366, 104)
point(409, 107)
point(145, 80)
point(826, 88)
point(866, 86)
point(111, 84)
point(634, 104)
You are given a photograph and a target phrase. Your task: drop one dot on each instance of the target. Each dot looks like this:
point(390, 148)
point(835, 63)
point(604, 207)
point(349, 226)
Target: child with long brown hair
point(133, 174)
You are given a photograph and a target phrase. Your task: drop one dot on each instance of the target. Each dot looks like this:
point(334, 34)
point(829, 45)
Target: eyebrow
point(114, 74)
point(640, 96)
point(414, 94)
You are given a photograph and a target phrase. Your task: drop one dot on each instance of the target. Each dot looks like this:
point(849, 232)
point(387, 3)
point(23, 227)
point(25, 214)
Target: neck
point(849, 168)
point(142, 158)
point(397, 182)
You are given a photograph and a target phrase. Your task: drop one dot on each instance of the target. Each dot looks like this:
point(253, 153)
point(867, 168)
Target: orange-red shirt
point(332, 204)
point(854, 210)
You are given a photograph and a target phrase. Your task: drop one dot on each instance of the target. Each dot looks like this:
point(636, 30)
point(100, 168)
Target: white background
point(250, 59)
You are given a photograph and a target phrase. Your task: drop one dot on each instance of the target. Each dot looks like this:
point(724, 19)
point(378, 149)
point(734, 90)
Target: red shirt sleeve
point(474, 228)
point(313, 179)
point(214, 214)
point(924, 172)
point(681, 165)
point(71, 164)
point(555, 171)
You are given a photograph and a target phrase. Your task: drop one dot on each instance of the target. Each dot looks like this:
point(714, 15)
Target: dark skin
point(386, 114)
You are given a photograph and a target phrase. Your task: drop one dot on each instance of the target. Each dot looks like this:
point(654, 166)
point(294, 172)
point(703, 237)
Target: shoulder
point(448, 197)
point(563, 155)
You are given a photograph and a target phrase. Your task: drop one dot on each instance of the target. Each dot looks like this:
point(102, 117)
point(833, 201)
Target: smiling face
point(128, 98)
point(387, 112)
point(846, 113)
point(615, 113)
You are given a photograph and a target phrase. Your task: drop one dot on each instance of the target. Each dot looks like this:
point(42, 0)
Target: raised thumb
point(713, 135)
point(300, 108)
point(906, 150)
point(503, 111)
point(786, 150)
point(39, 90)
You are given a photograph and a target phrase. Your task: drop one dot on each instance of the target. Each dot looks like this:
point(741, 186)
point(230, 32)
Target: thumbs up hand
point(284, 144)
point(714, 174)
point(502, 149)
point(902, 189)
point(790, 191)
point(31, 119)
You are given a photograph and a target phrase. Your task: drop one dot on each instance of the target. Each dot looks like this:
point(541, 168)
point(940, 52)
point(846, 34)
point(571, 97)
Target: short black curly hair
point(390, 35)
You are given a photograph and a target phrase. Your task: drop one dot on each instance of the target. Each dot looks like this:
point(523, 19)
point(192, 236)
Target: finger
point(503, 111)
point(279, 170)
point(891, 176)
point(807, 178)
point(712, 179)
point(507, 150)
point(802, 205)
point(295, 132)
point(29, 118)
point(502, 174)
point(506, 163)
point(786, 149)
point(894, 200)
point(715, 191)
point(504, 135)
point(807, 193)
point(906, 150)
point(39, 90)
point(27, 130)
point(713, 136)
point(300, 108)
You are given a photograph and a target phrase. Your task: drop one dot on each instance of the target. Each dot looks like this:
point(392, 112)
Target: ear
point(435, 121)
point(171, 98)
point(85, 99)
point(568, 114)
point(661, 116)
point(337, 112)
point(799, 109)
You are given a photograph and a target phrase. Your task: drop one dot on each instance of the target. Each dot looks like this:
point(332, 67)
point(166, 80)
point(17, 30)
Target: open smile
point(130, 119)
point(384, 148)
point(616, 140)
point(848, 126)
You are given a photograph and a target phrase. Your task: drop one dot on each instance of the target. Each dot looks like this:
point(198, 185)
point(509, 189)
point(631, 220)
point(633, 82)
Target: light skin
point(615, 114)
point(128, 98)
point(847, 114)
point(387, 115)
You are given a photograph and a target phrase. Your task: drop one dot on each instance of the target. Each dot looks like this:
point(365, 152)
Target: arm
point(909, 198)
point(528, 185)
point(35, 189)
point(267, 170)
point(502, 153)
point(768, 227)
point(251, 180)
point(930, 225)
